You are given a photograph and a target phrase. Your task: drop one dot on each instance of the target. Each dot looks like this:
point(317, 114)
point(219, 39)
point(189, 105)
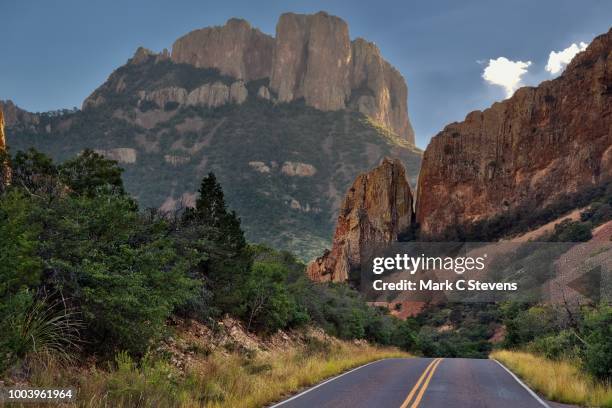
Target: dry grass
point(223, 379)
point(560, 381)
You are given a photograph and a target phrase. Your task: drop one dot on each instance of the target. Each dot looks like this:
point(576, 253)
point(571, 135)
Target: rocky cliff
point(235, 49)
point(5, 171)
point(16, 117)
point(525, 151)
point(311, 58)
point(376, 209)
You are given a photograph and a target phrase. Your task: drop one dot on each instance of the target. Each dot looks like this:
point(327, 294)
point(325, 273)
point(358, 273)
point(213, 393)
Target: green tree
point(269, 306)
point(35, 173)
point(228, 261)
point(20, 265)
point(119, 268)
point(89, 172)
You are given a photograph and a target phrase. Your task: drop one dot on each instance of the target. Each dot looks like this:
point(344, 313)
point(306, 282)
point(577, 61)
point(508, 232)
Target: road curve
point(420, 383)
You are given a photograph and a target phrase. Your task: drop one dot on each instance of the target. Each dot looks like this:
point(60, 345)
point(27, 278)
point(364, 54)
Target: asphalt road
point(420, 382)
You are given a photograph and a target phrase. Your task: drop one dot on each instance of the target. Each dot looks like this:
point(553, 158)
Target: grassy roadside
point(221, 379)
point(560, 381)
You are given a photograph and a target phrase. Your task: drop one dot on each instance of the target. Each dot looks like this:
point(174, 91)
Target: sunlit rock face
point(376, 209)
point(528, 150)
point(311, 58)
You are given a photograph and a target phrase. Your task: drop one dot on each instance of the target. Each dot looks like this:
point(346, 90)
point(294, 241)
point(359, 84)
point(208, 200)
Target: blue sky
point(54, 53)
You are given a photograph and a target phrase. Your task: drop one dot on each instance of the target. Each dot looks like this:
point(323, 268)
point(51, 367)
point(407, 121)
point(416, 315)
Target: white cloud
point(505, 73)
point(557, 60)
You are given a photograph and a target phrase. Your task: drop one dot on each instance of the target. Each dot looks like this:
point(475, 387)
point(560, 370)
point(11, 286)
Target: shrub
point(598, 334)
point(556, 346)
point(572, 231)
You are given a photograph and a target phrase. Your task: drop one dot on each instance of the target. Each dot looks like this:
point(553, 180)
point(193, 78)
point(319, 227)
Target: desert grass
point(221, 379)
point(560, 381)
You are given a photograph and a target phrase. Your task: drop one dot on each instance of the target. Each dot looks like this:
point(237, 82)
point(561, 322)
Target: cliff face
point(5, 171)
point(14, 116)
point(528, 150)
point(235, 49)
point(376, 209)
point(311, 58)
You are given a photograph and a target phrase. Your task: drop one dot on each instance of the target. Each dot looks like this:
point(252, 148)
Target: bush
point(572, 231)
point(556, 346)
point(598, 334)
point(268, 303)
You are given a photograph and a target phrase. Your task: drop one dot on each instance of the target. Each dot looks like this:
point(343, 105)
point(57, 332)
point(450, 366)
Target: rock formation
point(314, 59)
point(527, 150)
point(15, 116)
point(5, 170)
point(235, 49)
point(124, 155)
point(211, 95)
point(376, 209)
point(311, 58)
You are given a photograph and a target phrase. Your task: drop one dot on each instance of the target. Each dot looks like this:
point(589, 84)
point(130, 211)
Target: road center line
point(424, 387)
point(418, 383)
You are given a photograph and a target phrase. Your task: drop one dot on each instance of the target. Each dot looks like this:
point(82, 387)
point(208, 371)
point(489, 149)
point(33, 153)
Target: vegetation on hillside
point(527, 216)
point(176, 146)
point(86, 275)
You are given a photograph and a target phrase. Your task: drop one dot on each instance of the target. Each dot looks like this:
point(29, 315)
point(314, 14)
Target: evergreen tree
point(228, 262)
point(89, 172)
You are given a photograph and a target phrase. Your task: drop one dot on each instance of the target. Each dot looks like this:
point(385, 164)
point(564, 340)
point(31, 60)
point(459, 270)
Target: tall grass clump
point(557, 380)
point(221, 379)
point(38, 329)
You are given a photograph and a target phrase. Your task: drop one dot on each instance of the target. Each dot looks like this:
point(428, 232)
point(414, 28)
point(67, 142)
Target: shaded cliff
point(376, 209)
point(526, 151)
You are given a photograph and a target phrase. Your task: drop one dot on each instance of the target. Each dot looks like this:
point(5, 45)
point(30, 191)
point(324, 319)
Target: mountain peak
point(312, 58)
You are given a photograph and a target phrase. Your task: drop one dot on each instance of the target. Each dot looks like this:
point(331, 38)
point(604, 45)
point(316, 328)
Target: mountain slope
point(284, 165)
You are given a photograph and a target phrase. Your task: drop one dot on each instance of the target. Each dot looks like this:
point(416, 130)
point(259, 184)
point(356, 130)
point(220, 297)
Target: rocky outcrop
point(17, 117)
point(525, 151)
point(264, 93)
point(126, 155)
point(293, 169)
point(211, 95)
point(376, 209)
point(379, 90)
point(235, 49)
point(2, 137)
point(312, 58)
point(5, 170)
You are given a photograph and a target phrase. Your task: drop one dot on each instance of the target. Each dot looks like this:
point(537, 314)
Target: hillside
point(284, 165)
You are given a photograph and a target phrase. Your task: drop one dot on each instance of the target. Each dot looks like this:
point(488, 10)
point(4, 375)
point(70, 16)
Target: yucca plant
point(38, 327)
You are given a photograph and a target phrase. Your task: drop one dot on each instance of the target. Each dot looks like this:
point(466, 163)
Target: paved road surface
point(423, 383)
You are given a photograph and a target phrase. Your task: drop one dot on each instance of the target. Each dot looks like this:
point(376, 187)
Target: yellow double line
point(429, 372)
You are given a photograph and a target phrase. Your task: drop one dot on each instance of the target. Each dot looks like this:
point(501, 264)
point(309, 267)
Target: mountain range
point(286, 123)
